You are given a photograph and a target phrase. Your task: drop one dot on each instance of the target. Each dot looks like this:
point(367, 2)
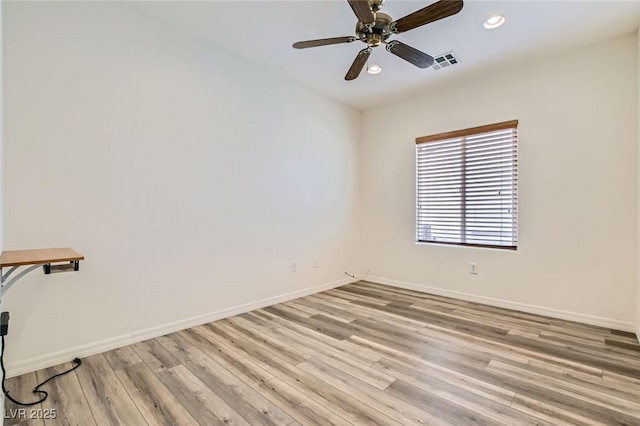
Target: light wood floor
point(359, 354)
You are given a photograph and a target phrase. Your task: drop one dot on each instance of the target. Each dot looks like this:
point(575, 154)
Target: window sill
point(464, 245)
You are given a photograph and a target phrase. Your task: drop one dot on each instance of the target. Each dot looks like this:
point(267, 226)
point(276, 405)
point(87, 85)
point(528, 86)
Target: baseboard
point(44, 361)
point(523, 307)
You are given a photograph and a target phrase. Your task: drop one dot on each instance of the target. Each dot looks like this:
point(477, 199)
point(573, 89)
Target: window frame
point(456, 134)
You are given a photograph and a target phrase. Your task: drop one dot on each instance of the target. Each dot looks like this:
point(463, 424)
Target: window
point(467, 187)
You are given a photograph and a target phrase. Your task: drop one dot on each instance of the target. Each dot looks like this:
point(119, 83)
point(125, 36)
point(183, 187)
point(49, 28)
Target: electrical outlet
point(473, 269)
point(294, 267)
point(315, 263)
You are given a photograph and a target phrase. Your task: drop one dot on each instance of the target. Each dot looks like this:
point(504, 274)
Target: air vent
point(445, 60)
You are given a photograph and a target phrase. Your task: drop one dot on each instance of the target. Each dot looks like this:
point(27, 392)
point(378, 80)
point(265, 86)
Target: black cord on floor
point(37, 388)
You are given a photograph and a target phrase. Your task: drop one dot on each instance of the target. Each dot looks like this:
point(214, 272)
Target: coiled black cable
point(36, 390)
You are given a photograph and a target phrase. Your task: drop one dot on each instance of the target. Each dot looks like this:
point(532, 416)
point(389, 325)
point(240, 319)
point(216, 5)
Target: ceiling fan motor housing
point(379, 31)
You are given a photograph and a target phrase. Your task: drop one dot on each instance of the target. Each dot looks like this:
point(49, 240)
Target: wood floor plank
point(97, 380)
point(380, 294)
point(284, 351)
point(297, 343)
point(540, 391)
point(247, 371)
point(157, 405)
point(341, 403)
point(320, 323)
point(581, 392)
point(347, 360)
point(397, 339)
point(438, 372)
point(515, 349)
point(600, 360)
point(433, 341)
point(452, 413)
point(21, 389)
point(463, 342)
point(595, 383)
point(611, 354)
point(384, 295)
point(256, 319)
point(66, 397)
point(370, 311)
point(490, 405)
point(295, 311)
point(174, 342)
point(376, 399)
point(202, 403)
point(594, 377)
point(630, 346)
point(628, 334)
point(156, 356)
point(445, 321)
point(359, 368)
point(532, 318)
point(324, 308)
point(343, 346)
point(122, 357)
point(584, 333)
point(580, 327)
point(551, 413)
point(261, 313)
point(238, 395)
point(418, 297)
point(350, 297)
point(620, 381)
point(499, 321)
point(304, 409)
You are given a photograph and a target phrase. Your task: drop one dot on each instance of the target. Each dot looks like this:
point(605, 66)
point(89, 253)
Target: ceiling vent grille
point(445, 60)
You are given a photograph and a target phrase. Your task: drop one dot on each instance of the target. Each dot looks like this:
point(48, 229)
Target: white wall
point(1, 178)
point(1, 141)
point(578, 189)
point(638, 258)
point(188, 179)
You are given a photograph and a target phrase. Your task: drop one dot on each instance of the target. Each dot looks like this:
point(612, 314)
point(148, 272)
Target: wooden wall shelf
point(32, 260)
point(38, 256)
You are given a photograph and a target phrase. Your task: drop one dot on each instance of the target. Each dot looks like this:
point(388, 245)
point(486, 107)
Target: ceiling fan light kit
point(374, 69)
point(374, 28)
point(494, 21)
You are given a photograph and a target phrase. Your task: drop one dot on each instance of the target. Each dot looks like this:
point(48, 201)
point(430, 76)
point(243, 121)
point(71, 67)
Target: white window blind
point(467, 187)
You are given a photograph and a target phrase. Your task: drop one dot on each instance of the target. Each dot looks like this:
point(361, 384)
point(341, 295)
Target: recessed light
point(494, 21)
point(374, 69)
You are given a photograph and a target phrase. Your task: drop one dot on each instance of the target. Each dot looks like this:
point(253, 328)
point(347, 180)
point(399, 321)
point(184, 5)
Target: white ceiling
point(263, 32)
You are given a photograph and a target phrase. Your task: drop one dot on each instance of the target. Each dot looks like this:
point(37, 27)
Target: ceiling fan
point(374, 28)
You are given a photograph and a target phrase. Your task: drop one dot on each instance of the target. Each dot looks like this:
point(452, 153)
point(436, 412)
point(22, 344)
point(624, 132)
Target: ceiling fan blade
point(358, 64)
point(362, 10)
point(323, 42)
point(410, 54)
point(431, 13)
